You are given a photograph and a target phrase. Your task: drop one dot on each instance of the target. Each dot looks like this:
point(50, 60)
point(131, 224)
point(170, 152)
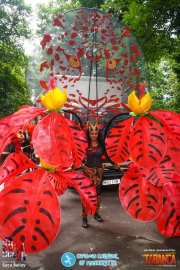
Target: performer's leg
point(84, 218)
point(99, 200)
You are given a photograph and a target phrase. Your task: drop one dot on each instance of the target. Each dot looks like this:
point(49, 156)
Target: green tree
point(161, 88)
point(91, 3)
point(13, 89)
point(13, 62)
point(156, 24)
point(14, 20)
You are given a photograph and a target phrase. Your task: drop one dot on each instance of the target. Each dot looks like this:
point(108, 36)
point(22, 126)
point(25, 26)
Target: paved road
point(121, 237)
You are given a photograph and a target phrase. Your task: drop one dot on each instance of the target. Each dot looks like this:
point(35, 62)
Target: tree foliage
point(91, 3)
point(155, 23)
point(14, 23)
point(164, 86)
point(47, 11)
point(157, 26)
point(13, 61)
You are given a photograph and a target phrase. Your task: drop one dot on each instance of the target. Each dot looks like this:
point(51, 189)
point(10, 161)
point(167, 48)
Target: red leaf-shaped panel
point(10, 125)
point(117, 141)
point(52, 139)
point(173, 150)
point(13, 165)
point(170, 121)
point(85, 188)
point(59, 182)
point(30, 211)
point(26, 114)
point(160, 174)
point(148, 143)
point(168, 221)
point(79, 142)
point(141, 200)
point(9, 180)
point(65, 165)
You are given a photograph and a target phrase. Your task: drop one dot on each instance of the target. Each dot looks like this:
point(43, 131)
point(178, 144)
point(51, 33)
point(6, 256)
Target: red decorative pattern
point(168, 221)
point(113, 54)
point(52, 139)
point(117, 141)
point(31, 195)
point(141, 200)
point(148, 143)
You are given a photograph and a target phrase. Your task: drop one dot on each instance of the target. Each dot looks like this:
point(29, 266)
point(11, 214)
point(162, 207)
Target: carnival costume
point(93, 169)
point(149, 190)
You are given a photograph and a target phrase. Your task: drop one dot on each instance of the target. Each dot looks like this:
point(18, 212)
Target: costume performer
point(17, 140)
point(93, 167)
point(27, 150)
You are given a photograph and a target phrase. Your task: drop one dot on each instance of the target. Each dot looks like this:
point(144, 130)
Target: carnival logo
point(68, 259)
point(160, 257)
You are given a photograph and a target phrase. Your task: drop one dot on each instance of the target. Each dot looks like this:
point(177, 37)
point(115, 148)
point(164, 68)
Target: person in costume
point(25, 146)
point(93, 166)
point(17, 140)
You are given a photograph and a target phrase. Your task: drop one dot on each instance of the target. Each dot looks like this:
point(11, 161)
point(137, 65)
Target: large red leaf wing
point(59, 182)
point(168, 221)
point(117, 141)
point(11, 124)
point(30, 211)
point(9, 180)
point(85, 188)
point(26, 114)
point(161, 174)
point(52, 139)
point(79, 143)
point(148, 143)
point(170, 121)
point(173, 150)
point(65, 165)
point(13, 165)
point(140, 199)
point(5, 131)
